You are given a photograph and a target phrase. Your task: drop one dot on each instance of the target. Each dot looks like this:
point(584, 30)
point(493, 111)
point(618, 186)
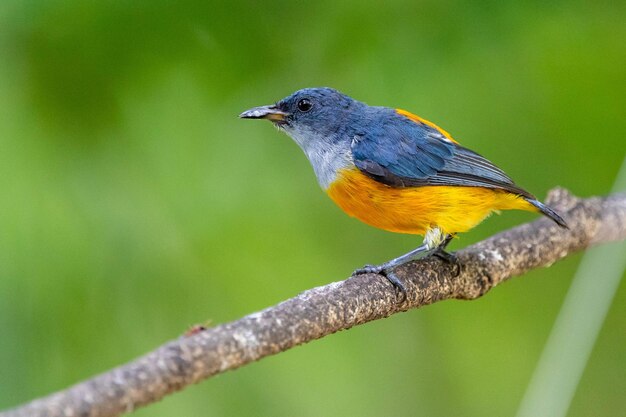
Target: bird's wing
point(403, 150)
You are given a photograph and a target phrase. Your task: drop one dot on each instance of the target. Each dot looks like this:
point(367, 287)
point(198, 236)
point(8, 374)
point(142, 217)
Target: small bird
point(395, 171)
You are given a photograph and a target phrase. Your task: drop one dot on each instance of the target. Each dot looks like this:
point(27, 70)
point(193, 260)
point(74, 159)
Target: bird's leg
point(386, 269)
point(433, 239)
point(440, 251)
point(447, 257)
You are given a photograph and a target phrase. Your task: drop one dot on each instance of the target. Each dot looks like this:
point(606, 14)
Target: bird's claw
point(369, 269)
point(449, 258)
point(387, 273)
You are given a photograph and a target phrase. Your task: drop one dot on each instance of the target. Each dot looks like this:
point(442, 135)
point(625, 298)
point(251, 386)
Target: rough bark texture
point(337, 306)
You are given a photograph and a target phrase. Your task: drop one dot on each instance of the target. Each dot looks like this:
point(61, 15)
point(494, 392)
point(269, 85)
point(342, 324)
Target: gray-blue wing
point(401, 152)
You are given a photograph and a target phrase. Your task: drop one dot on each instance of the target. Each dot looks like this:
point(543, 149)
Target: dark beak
point(270, 112)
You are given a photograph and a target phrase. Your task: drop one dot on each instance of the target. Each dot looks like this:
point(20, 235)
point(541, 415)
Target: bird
point(396, 171)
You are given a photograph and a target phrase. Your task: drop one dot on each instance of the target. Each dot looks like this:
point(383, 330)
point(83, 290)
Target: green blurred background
point(134, 202)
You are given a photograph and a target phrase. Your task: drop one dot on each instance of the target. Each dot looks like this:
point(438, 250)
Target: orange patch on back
point(414, 210)
point(418, 119)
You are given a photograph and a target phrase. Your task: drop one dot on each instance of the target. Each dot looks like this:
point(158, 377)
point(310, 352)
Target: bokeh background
point(134, 202)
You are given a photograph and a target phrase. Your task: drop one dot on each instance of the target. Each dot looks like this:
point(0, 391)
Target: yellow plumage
point(415, 210)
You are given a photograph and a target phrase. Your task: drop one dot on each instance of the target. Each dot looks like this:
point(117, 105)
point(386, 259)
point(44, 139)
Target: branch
point(338, 306)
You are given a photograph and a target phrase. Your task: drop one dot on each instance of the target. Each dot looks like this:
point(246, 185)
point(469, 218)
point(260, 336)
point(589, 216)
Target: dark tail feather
point(548, 212)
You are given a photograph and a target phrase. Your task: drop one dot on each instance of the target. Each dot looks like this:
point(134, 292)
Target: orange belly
point(414, 210)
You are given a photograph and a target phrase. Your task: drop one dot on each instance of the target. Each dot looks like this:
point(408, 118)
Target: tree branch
point(338, 306)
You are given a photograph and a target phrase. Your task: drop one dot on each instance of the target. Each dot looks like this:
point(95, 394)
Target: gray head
point(321, 110)
point(320, 121)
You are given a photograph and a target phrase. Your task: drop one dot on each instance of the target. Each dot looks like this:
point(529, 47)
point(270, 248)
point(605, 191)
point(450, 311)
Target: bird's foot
point(449, 258)
point(368, 269)
point(385, 272)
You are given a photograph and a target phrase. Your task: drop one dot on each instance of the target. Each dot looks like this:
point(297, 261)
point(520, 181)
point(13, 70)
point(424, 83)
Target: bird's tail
point(548, 212)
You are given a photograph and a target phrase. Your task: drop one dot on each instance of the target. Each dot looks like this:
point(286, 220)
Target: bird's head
point(310, 114)
point(322, 121)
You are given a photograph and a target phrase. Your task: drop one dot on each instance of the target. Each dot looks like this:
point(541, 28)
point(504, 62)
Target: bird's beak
point(270, 112)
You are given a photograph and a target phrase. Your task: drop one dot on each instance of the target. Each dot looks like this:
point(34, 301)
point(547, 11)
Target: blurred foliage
point(135, 202)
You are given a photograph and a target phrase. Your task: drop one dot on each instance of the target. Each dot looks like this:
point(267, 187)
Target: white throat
point(326, 155)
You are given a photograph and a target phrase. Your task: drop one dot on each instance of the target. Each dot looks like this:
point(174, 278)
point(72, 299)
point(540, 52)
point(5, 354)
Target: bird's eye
point(304, 105)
